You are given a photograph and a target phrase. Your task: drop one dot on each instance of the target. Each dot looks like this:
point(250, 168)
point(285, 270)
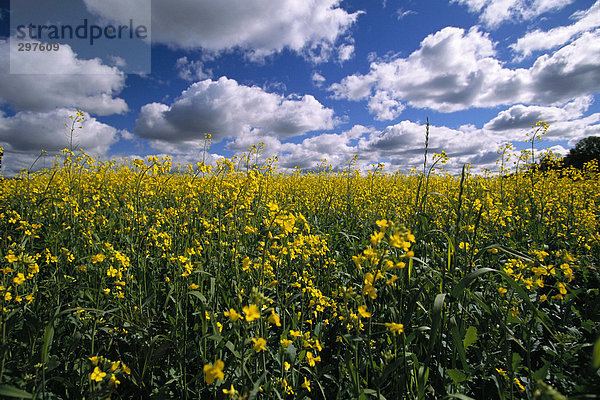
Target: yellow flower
point(259, 344)
point(114, 380)
point(274, 319)
point(98, 258)
point(106, 291)
point(19, 279)
point(212, 372)
point(306, 384)
point(125, 369)
point(501, 371)
point(251, 312)
point(312, 359)
point(370, 291)
point(502, 291)
point(395, 328)
point(231, 392)
point(11, 258)
point(562, 288)
point(232, 314)
point(376, 238)
point(362, 310)
point(285, 342)
point(382, 224)
point(519, 384)
point(97, 375)
point(286, 387)
point(94, 360)
point(193, 286)
point(286, 365)
point(390, 282)
point(295, 333)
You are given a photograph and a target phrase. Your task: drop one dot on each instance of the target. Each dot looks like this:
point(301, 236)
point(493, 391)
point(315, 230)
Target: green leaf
point(436, 318)
point(231, 348)
point(462, 284)
point(470, 336)
point(199, 295)
point(596, 355)
point(11, 391)
point(256, 386)
point(47, 341)
point(541, 373)
point(458, 342)
point(516, 361)
point(458, 396)
point(457, 375)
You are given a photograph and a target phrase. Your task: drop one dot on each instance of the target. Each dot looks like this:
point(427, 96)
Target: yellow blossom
point(362, 310)
point(312, 359)
point(306, 384)
point(394, 327)
point(19, 279)
point(251, 312)
point(274, 319)
point(97, 375)
point(259, 344)
point(232, 314)
point(212, 372)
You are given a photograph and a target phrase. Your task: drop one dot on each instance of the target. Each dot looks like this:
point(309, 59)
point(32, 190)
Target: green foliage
point(585, 150)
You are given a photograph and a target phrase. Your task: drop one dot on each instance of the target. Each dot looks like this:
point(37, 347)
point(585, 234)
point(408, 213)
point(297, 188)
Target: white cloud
point(336, 148)
point(456, 70)
point(543, 40)
point(259, 27)
point(318, 79)
point(384, 106)
point(345, 52)
point(191, 70)
point(401, 13)
point(60, 79)
point(566, 123)
point(523, 117)
point(401, 146)
point(26, 133)
point(495, 12)
point(224, 108)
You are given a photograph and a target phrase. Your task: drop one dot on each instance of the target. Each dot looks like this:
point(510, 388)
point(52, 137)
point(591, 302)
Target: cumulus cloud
point(456, 69)
point(259, 27)
point(336, 148)
point(543, 40)
point(345, 52)
point(225, 108)
point(191, 70)
point(523, 117)
point(60, 79)
point(318, 79)
point(494, 12)
point(567, 123)
point(26, 133)
point(400, 146)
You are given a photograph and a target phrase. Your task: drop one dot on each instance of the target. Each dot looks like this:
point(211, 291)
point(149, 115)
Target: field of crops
point(134, 280)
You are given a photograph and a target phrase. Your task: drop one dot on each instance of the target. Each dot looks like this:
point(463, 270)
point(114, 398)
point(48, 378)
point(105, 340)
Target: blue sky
point(312, 80)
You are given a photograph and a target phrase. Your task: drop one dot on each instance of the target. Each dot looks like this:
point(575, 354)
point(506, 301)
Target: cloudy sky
point(311, 79)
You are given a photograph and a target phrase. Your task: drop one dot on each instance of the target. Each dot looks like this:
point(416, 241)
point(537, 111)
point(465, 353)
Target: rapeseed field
point(141, 280)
